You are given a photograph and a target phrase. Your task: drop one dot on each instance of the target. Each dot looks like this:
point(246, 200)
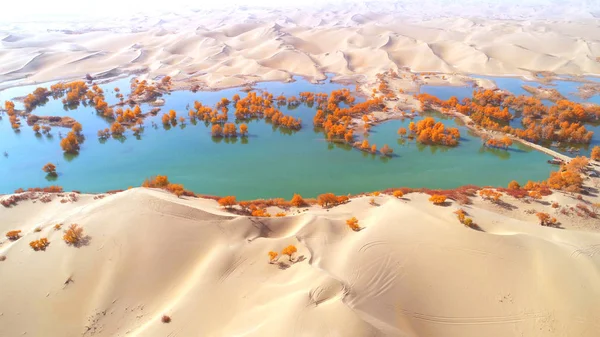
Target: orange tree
point(50, 169)
point(437, 199)
point(227, 202)
point(353, 224)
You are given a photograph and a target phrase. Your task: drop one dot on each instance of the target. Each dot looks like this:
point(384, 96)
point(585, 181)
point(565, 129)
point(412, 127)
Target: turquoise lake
point(271, 162)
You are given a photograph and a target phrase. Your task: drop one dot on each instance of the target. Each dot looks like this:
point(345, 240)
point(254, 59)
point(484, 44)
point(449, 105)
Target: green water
point(271, 162)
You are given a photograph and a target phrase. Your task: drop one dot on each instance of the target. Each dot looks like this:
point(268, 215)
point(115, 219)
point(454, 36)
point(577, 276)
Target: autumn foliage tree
point(217, 131)
point(104, 134)
point(156, 182)
point(40, 244)
point(117, 129)
point(398, 194)
point(514, 185)
point(353, 224)
point(438, 199)
point(261, 212)
point(488, 194)
point(227, 202)
point(297, 201)
point(546, 220)
point(503, 143)
point(243, 129)
point(229, 130)
point(429, 132)
point(74, 235)
point(50, 169)
point(176, 189)
point(327, 200)
point(386, 150)
point(595, 153)
point(70, 144)
point(568, 180)
point(77, 128)
point(13, 235)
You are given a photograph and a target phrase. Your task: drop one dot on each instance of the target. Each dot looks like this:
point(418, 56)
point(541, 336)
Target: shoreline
point(187, 83)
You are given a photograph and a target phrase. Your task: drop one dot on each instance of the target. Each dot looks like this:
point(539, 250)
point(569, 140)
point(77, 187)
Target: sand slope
point(228, 48)
point(413, 271)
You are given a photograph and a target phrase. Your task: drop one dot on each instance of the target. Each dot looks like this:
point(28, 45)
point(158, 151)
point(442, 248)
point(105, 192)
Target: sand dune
point(219, 44)
point(412, 271)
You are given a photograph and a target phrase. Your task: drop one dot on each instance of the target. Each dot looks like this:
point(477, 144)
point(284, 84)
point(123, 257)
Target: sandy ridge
point(233, 49)
point(412, 271)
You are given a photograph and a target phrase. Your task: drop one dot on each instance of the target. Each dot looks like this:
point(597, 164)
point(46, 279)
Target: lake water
point(271, 162)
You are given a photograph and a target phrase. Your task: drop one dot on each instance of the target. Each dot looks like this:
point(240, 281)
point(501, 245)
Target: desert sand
point(413, 270)
point(217, 49)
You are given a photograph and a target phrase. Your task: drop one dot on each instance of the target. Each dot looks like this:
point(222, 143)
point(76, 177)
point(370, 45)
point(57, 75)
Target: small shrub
point(2, 258)
point(37, 229)
point(227, 202)
point(468, 222)
point(546, 220)
point(491, 195)
point(14, 235)
point(555, 205)
point(327, 200)
point(272, 256)
point(461, 215)
point(261, 213)
point(438, 199)
point(46, 199)
point(176, 189)
point(58, 226)
point(398, 194)
point(515, 193)
point(586, 210)
point(40, 244)
point(280, 214)
point(535, 195)
point(353, 224)
point(342, 199)
point(376, 194)
point(165, 319)
point(73, 235)
point(289, 250)
point(372, 202)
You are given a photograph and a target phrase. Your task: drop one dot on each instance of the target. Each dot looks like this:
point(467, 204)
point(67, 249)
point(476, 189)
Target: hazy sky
point(28, 10)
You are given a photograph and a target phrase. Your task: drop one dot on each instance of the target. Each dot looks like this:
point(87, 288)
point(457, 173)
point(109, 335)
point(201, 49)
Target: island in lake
point(369, 169)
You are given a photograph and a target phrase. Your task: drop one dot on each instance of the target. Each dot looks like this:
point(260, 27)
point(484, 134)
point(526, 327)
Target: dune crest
point(219, 48)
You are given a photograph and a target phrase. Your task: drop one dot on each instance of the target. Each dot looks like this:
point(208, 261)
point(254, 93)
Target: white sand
point(230, 48)
point(413, 270)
